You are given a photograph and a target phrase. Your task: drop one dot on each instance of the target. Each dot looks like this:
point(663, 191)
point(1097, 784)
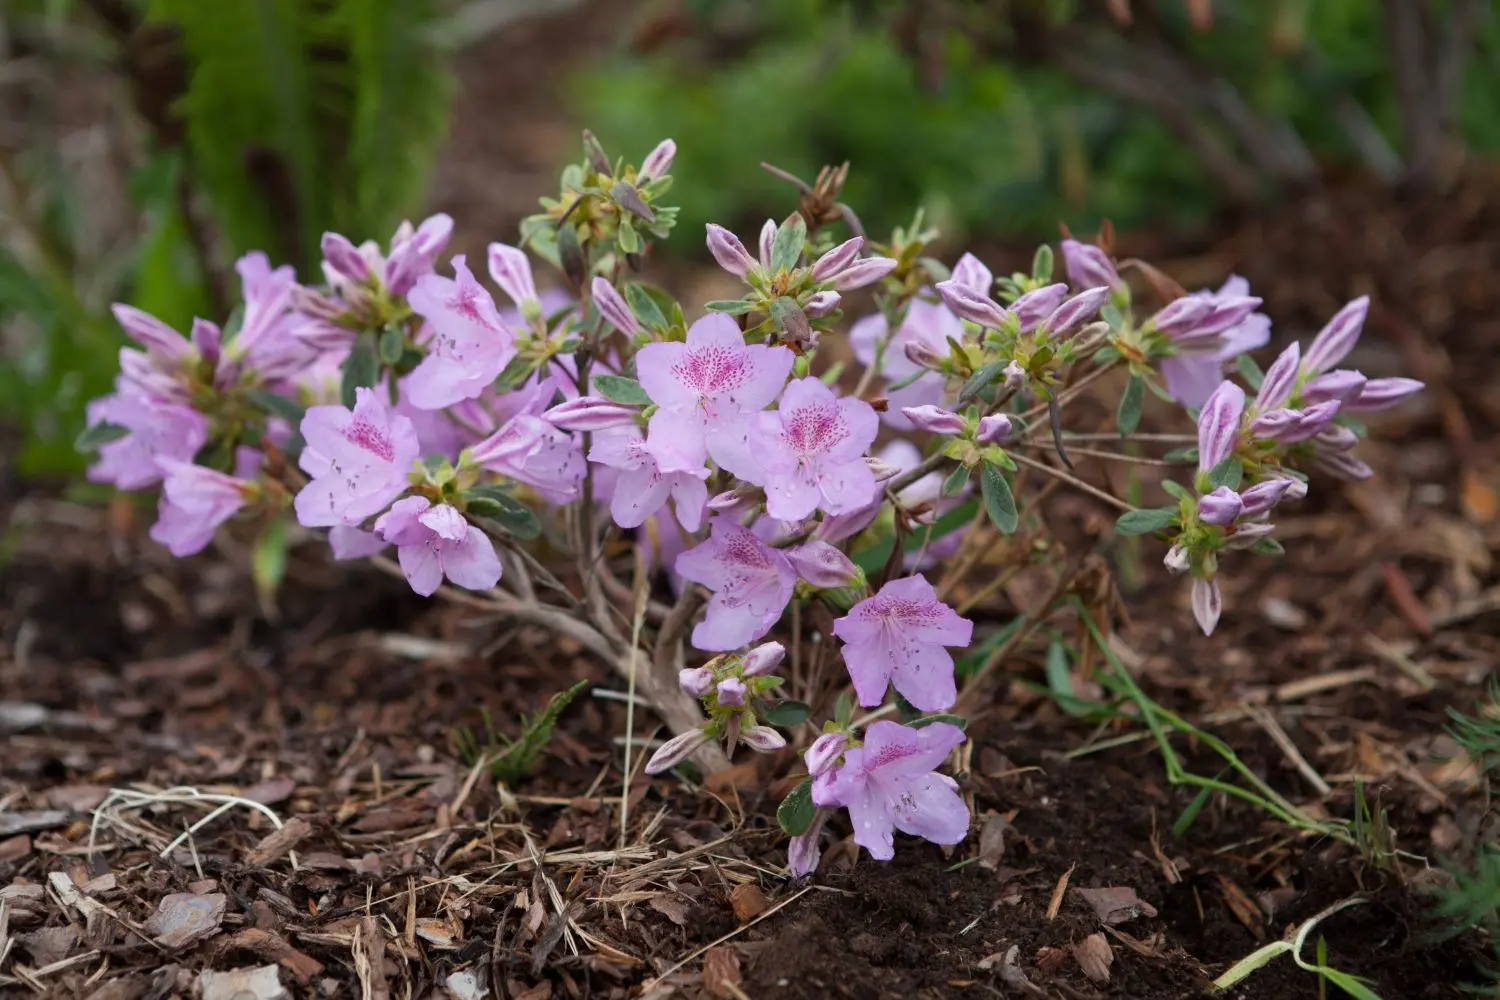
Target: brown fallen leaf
point(721, 971)
point(1094, 957)
point(184, 919)
point(992, 841)
point(279, 843)
point(671, 907)
point(49, 944)
point(748, 902)
point(1115, 904)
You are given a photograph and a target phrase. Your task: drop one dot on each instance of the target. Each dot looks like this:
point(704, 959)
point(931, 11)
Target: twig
point(1073, 481)
point(1263, 718)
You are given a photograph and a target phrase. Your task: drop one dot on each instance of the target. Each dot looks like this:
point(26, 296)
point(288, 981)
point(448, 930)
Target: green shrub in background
point(1030, 112)
point(261, 125)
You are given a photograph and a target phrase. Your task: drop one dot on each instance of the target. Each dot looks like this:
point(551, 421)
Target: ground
point(191, 786)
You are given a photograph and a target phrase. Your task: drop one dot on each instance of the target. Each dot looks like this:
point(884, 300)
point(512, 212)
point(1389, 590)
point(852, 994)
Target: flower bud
point(822, 565)
point(1035, 306)
point(825, 752)
point(1275, 423)
point(1342, 386)
point(935, 419)
point(1335, 438)
point(1314, 419)
point(822, 303)
point(833, 263)
point(1177, 560)
point(971, 273)
point(342, 256)
point(511, 270)
point(658, 162)
point(1208, 604)
point(731, 691)
point(970, 305)
point(1074, 311)
point(1261, 497)
point(921, 355)
point(883, 470)
point(767, 242)
point(1219, 424)
point(1334, 342)
point(1342, 465)
point(737, 500)
point(1246, 535)
point(1383, 393)
point(994, 429)
point(1088, 266)
point(729, 251)
point(696, 681)
point(1225, 312)
point(590, 413)
point(1296, 488)
point(1015, 376)
point(763, 659)
point(1182, 315)
point(804, 852)
point(863, 272)
point(151, 333)
point(1221, 507)
point(315, 304)
point(762, 739)
point(613, 307)
point(414, 251)
point(675, 751)
point(208, 339)
point(1276, 387)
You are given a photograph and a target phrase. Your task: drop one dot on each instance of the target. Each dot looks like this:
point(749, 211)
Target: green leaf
point(786, 248)
point(100, 434)
point(1128, 418)
point(1041, 263)
point(1190, 814)
point(787, 714)
point(1111, 314)
point(630, 240)
point(948, 717)
point(956, 481)
point(1106, 354)
point(980, 380)
point(908, 712)
point(644, 306)
point(1141, 522)
point(518, 758)
point(1181, 455)
point(1268, 547)
point(843, 708)
point(1176, 489)
point(268, 564)
point(361, 369)
point(274, 403)
point(392, 345)
point(1250, 371)
point(790, 318)
point(620, 389)
point(796, 812)
point(514, 516)
point(518, 371)
point(1059, 672)
point(1227, 473)
point(998, 501)
point(730, 307)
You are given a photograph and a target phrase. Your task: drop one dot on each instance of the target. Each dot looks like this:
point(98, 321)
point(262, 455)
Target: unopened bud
point(1035, 306)
point(729, 251)
point(696, 681)
point(824, 752)
point(833, 263)
point(935, 419)
point(658, 162)
point(1246, 535)
point(1074, 311)
point(863, 272)
point(1221, 507)
point(822, 565)
point(763, 659)
point(511, 270)
point(976, 308)
point(1342, 386)
point(762, 739)
point(675, 751)
point(731, 691)
point(1015, 375)
point(921, 355)
point(821, 304)
point(613, 307)
point(1177, 560)
point(1261, 497)
point(739, 499)
point(883, 470)
point(994, 429)
point(597, 158)
point(590, 413)
point(344, 258)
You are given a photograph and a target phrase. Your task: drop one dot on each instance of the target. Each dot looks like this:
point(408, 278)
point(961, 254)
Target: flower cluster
point(396, 403)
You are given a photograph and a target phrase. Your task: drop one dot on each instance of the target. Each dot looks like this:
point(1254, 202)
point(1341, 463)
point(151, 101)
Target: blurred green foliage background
point(257, 124)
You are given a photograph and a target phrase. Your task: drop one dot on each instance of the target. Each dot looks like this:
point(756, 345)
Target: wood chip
point(183, 919)
point(992, 841)
point(263, 983)
point(748, 902)
point(1094, 957)
point(1115, 904)
point(1058, 892)
point(721, 971)
point(1243, 908)
point(273, 948)
point(29, 822)
point(279, 843)
point(674, 908)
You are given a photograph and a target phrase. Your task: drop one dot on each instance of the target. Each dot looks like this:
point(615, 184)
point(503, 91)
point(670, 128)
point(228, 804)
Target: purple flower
point(971, 273)
point(822, 565)
point(643, 487)
point(530, 450)
point(993, 429)
point(696, 681)
point(414, 252)
point(863, 272)
point(1334, 342)
point(344, 258)
point(470, 345)
point(825, 752)
point(935, 419)
point(1221, 507)
point(1274, 424)
point(436, 541)
point(613, 307)
point(1207, 603)
point(163, 343)
point(752, 583)
point(810, 452)
point(1280, 379)
point(1217, 335)
point(1342, 386)
point(835, 261)
point(1219, 425)
point(924, 332)
point(1035, 306)
point(510, 269)
point(676, 750)
point(729, 251)
point(268, 339)
point(658, 162)
point(591, 413)
point(897, 637)
point(1088, 266)
point(890, 784)
point(1311, 422)
point(763, 659)
point(971, 305)
point(1074, 311)
point(731, 691)
point(1382, 394)
point(358, 461)
point(194, 502)
point(710, 388)
point(158, 429)
point(1261, 497)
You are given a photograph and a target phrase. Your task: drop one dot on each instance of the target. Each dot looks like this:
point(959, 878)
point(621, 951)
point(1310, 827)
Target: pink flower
point(822, 565)
point(354, 543)
point(358, 461)
point(890, 784)
point(897, 637)
point(268, 340)
point(1089, 266)
point(810, 452)
point(529, 449)
point(1208, 603)
point(710, 387)
point(413, 252)
point(470, 345)
point(752, 583)
point(158, 430)
point(1223, 327)
point(927, 326)
point(194, 501)
point(434, 542)
point(642, 488)
point(511, 270)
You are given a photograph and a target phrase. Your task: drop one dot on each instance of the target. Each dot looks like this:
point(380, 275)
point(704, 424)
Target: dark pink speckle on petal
point(377, 441)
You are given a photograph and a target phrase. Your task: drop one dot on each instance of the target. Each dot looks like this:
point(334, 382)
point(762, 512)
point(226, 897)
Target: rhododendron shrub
point(797, 458)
